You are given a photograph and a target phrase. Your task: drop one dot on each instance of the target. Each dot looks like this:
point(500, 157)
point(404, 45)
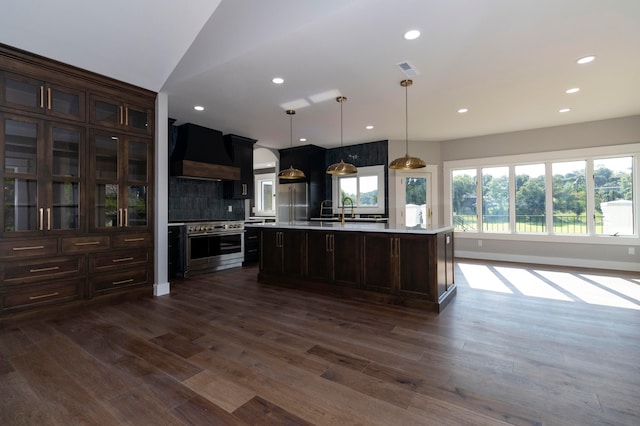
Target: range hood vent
point(200, 154)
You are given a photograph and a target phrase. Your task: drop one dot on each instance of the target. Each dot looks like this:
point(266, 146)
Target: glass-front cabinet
point(121, 175)
point(41, 174)
point(28, 94)
point(120, 115)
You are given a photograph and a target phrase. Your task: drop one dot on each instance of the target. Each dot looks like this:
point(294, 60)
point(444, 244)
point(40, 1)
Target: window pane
point(495, 199)
point(613, 187)
point(530, 198)
point(465, 215)
point(348, 188)
point(569, 198)
point(267, 195)
point(368, 193)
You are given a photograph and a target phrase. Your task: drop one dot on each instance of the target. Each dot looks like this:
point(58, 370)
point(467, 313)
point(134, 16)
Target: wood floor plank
point(225, 349)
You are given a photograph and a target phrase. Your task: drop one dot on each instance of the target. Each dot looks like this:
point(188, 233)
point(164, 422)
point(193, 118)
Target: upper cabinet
point(34, 95)
point(120, 114)
point(241, 151)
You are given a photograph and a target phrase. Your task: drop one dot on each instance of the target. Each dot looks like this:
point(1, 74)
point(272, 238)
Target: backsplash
point(191, 199)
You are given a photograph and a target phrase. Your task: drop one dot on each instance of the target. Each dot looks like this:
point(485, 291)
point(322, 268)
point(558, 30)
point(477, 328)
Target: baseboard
point(555, 261)
point(161, 289)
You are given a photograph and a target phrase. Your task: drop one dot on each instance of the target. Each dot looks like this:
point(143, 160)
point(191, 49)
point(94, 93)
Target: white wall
point(602, 133)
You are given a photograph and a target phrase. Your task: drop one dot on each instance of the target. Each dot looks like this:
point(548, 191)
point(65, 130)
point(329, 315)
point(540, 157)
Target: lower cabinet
point(414, 269)
point(46, 272)
point(251, 245)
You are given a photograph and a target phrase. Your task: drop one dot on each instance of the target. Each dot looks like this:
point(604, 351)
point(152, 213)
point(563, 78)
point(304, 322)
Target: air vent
point(407, 69)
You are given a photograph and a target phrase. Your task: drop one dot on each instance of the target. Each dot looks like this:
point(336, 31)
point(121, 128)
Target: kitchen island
point(373, 261)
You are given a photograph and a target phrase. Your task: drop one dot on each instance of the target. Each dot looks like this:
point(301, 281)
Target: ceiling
point(509, 62)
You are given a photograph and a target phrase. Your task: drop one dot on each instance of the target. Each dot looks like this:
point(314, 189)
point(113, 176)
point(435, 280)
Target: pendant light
point(406, 162)
point(291, 173)
point(341, 168)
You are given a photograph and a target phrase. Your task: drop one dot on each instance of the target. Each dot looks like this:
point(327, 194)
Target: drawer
point(12, 249)
point(132, 240)
point(34, 296)
point(85, 244)
point(118, 259)
point(29, 271)
point(104, 283)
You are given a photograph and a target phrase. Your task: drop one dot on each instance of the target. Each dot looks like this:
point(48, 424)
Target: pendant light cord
point(406, 119)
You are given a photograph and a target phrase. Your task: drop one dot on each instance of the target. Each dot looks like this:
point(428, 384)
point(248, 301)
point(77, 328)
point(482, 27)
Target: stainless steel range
point(209, 246)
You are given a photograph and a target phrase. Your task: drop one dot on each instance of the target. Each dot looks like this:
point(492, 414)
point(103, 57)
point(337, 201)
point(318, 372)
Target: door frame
point(396, 214)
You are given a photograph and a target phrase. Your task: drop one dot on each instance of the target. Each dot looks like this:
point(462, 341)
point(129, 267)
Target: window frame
point(378, 172)
point(547, 158)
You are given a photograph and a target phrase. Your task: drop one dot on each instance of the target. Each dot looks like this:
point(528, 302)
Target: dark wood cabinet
point(334, 257)
point(77, 154)
point(240, 150)
point(251, 245)
point(412, 269)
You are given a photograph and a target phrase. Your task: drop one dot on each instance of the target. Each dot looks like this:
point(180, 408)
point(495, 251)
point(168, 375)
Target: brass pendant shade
point(291, 173)
point(341, 168)
point(407, 162)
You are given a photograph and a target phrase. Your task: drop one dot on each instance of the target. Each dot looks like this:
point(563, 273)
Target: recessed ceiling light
point(198, 108)
point(463, 110)
point(412, 35)
point(303, 139)
point(369, 127)
point(572, 90)
point(565, 110)
point(585, 60)
point(278, 80)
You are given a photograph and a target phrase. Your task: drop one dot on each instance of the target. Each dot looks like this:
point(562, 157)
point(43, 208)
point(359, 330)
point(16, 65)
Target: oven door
point(215, 251)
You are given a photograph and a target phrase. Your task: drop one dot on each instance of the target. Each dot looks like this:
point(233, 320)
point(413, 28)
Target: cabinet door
point(65, 150)
point(136, 183)
point(293, 252)
point(104, 166)
point(347, 259)
point(378, 261)
point(271, 251)
point(115, 113)
point(23, 174)
point(416, 273)
point(241, 150)
point(33, 95)
point(319, 255)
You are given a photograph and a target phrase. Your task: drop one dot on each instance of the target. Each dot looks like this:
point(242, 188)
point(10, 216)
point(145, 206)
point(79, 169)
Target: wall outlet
point(479, 243)
point(230, 209)
point(632, 250)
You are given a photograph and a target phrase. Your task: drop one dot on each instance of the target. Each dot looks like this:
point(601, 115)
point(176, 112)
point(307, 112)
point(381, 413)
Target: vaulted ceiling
point(509, 62)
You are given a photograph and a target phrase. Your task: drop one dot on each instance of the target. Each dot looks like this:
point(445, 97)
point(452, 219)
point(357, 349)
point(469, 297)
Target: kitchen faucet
point(344, 200)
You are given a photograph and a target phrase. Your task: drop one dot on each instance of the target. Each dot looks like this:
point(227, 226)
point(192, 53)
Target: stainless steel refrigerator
point(293, 202)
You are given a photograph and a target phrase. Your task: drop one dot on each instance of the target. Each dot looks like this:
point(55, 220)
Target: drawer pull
point(42, 296)
point(122, 259)
point(253, 237)
point(88, 243)
point(130, 280)
point(131, 240)
point(28, 248)
point(51, 268)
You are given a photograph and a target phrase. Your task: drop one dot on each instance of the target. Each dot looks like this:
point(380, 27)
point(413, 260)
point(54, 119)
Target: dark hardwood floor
point(224, 349)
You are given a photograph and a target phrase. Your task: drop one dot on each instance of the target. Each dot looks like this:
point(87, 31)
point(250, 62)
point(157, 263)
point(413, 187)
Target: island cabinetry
point(282, 253)
point(378, 262)
point(251, 245)
point(334, 257)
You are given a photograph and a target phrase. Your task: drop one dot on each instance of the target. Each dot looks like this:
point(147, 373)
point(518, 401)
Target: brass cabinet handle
point(130, 240)
point(126, 116)
point(51, 268)
point(119, 217)
point(122, 259)
point(126, 218)
point(27, 248)
point(49, 98)
point(121, 114)
point(42, 296)
point(88, 243)
point(41, 96)
point(122, 282)
point(326, 243)
point(252, 237)
point(41, 226)
point(48, 219)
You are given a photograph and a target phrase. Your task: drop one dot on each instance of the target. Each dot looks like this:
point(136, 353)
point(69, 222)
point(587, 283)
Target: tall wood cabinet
point(77, 155)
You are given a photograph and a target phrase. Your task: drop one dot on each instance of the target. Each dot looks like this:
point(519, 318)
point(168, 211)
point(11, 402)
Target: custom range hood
point(200, 153)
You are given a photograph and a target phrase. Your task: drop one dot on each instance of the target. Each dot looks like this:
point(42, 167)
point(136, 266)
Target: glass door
point(415, 195)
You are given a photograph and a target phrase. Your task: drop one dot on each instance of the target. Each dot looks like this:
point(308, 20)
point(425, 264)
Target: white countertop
point(350, 226)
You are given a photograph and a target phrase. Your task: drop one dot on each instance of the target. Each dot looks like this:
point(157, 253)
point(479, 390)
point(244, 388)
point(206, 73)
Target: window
point(265, 184)
point(365, 190)
point(541, 194)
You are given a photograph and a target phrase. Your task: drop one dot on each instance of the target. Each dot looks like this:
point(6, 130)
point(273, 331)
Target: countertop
point(351, 226)
point(350, 219)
